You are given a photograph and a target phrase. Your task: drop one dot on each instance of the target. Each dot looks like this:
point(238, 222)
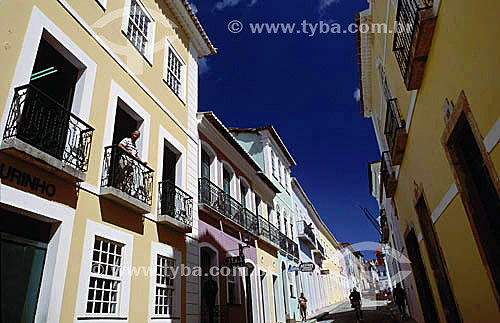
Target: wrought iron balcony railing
point(211, 195)
point(395, 132)
point(305, 232)
point(412, 39)
point(214, 314)
point(288, 245)
point(388, 174)
point(175, 203)
point(384, 227)
point(127, 174)
point(40, 121)
point(250, 221)
point(269, 231)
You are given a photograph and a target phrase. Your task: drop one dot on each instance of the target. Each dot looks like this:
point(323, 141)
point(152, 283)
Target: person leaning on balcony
point(125, 178)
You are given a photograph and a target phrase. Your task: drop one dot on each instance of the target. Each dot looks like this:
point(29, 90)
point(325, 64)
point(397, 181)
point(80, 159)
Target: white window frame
point(213, 161)
point(248, 196)
point(168, 252)
point(149, 51)
point(82, 99)
point(102, 3)
point(232, 184)
point(127, 241)
point(183, 77)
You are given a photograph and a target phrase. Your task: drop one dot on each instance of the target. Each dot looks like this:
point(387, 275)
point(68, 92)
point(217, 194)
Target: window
point(291, 230)
point(226, 181)
point(103, 292)
point(269, 213)
point(280, 172)
point(243, 194)
point(175, 71)
point(273, 162)
point(138, 27)
point(205, 165)
point(164, 300)
point(285, 224)
point(278, 216)
point(258, 202)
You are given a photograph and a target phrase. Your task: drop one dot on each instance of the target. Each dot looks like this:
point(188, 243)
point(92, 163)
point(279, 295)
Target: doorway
point(47, 103)
point(210, 288)
point(24, 242)
point(276, 291)
point(475, 176)
point(422, 281)
point(172, 203)
point(437, 262)
point(284, 281)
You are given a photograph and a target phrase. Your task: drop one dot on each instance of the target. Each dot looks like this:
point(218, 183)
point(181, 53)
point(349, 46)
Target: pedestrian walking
point(400, 299)
point(355, 298)
point(303, 307)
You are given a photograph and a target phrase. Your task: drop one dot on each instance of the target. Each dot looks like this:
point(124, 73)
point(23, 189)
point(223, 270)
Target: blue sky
point(305, 87)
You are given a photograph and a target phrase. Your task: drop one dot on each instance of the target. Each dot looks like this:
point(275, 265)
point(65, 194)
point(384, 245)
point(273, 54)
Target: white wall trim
point(103, 3)
point(213, 165)
point(149, 54)
point(106, 48)
point(493, 137)
point(94, 229)
point(180, 171)
point(85, 85)
point(447, 198)
point(169, 252)
point(209, 246)
point(410, 110)
point(56, 260)
point(115, 93)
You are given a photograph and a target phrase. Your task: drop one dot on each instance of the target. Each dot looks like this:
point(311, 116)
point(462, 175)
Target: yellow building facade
point(104, 232)
point(429, 88)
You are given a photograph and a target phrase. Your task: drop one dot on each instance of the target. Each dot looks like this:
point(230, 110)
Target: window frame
point(117, 236)
point(166, 251)
point(149, 50)
point(183, 77)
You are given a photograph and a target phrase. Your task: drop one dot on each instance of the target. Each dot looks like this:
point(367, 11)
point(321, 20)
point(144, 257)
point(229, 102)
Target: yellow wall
point(462, 57)
point(89, 206)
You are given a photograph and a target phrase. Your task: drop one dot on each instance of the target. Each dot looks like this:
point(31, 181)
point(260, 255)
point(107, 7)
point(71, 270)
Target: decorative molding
point(447, 198)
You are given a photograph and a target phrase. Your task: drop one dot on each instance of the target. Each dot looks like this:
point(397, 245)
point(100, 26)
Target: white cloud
point(203, 66)
point(194, 8)
point(323, 4)
point(357, 95)
point(252, 3)
point(226, 3)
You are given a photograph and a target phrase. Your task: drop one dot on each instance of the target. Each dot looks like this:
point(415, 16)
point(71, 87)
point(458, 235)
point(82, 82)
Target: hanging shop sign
point(235, 261)
point(24, 179)
point(293, 268)
point(325, 271)
point(307, 267)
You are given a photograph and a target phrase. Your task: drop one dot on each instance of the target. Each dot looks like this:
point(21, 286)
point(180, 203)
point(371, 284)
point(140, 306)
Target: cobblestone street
point(373, 312)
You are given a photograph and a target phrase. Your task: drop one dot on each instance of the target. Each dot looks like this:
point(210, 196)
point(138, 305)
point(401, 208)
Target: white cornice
point(192, 27)
point(366, 62)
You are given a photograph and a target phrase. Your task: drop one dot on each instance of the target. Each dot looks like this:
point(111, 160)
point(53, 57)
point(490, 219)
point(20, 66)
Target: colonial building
point(233, 223)
point(429, 87)
point(270, 153)
point(94, 226)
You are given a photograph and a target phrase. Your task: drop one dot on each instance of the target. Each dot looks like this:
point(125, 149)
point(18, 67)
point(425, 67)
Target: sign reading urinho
point(19, 177)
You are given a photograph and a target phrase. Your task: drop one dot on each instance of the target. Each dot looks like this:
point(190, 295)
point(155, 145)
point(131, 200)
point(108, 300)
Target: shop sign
point(24, 179)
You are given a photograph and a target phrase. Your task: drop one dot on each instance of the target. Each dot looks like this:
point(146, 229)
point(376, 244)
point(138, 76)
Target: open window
point(175, 205)
point(41, 114)
point(244, 193)
point(126, 178)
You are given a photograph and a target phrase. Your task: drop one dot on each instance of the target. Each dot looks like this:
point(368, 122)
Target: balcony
point(395, 132)
point(43, 132)
point(388, 175)
point(320, 250)
point(287, 245)
point(175, 207)
point(384, 227)
point(268, 232)
point(306, 234)
point(415, 22)
point(214, 198)
point(126, 180)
